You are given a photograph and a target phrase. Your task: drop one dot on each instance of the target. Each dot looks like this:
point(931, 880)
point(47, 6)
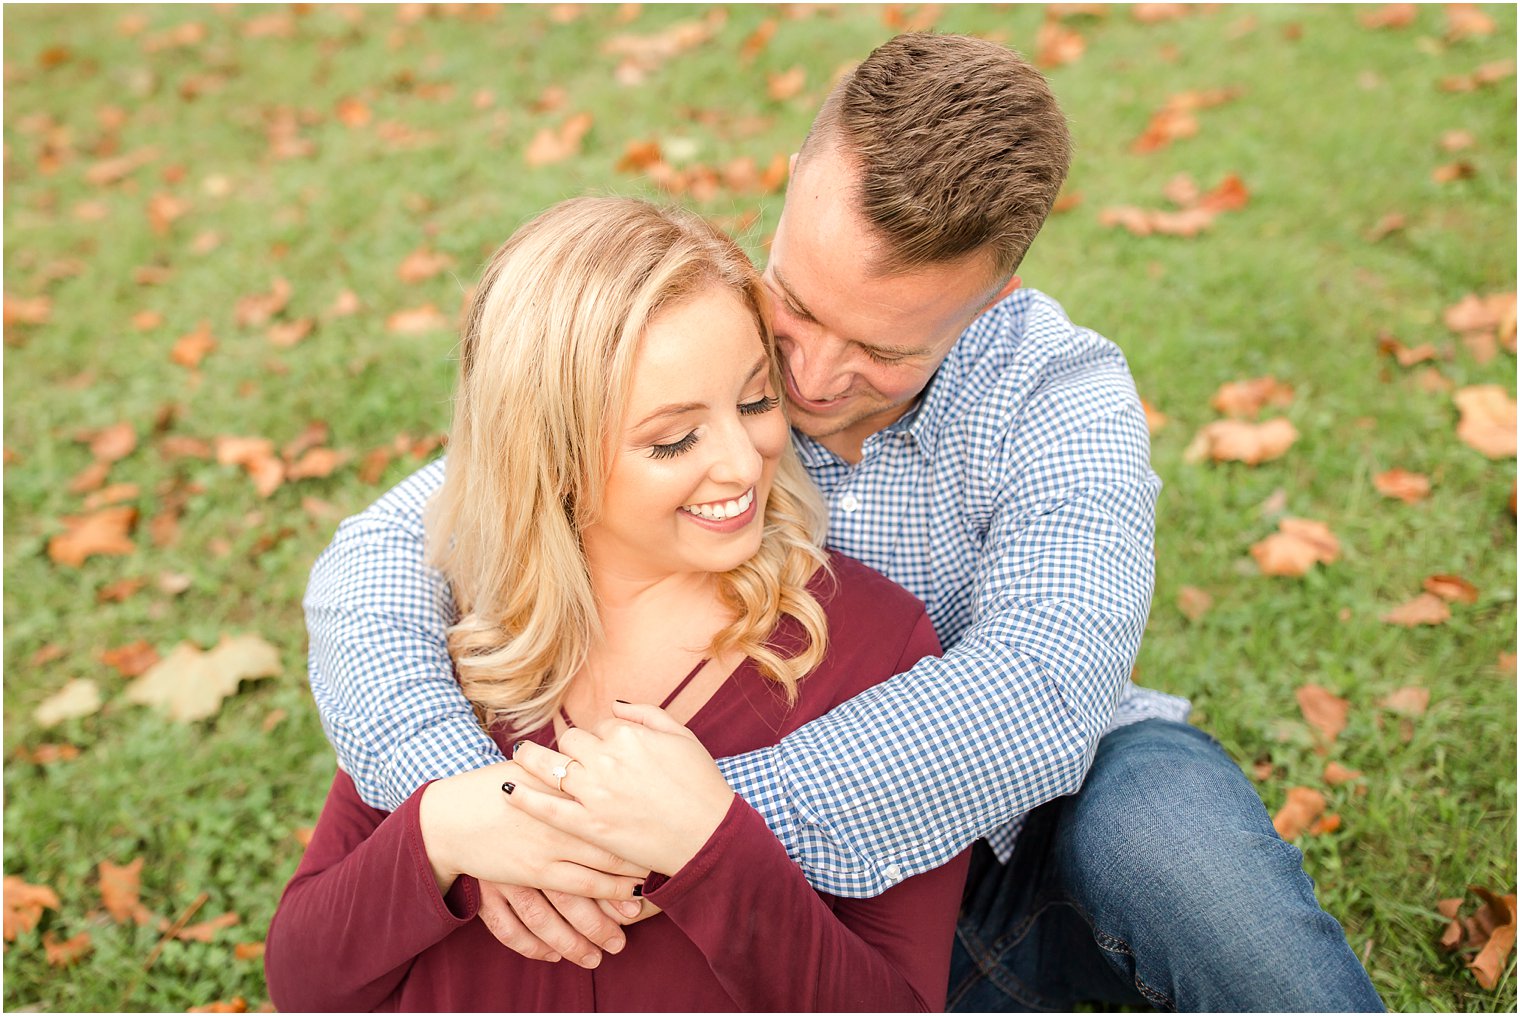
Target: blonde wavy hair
point(545, 367)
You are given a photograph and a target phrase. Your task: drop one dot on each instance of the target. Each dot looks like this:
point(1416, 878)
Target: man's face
point(857, 349)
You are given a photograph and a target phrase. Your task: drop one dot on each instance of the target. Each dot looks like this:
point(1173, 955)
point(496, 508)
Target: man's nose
point(817, 366)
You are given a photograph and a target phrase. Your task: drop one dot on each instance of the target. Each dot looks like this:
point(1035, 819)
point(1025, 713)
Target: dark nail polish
point(516, 745)
point(638, 890)
point(623, 702)
point(508, 787)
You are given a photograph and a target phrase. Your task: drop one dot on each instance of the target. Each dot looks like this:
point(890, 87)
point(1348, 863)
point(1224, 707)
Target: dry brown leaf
point(236, 1004)
point(417, 320)
point(68, 952)
point(120, 885)
point(190, 349)
point(1491, 960)
point(1403, 485)
point(317, 462)
point(34, 310)
point(119, 591)
point(131, 659)
point(256, 309)
point(113, 443)
point(189, 684)
point(1389, 345)
point(47, 753)
point(256, 456)
point(1337, 774)
point(24, 905)
point(1150, 14)
point(1248, 398)
point(1426, 609)
point(1453, 171)
point(1057, 45)
point(1389, 16)
point(103, 532)
point(1067, 201)
point(1155, 419)
point(373, 466)
point(755, 42)
point(1485, 75)
point(344, 304)
point(163, 209)
point(1193, 602)
point(205, 931)
point(285, 334)
point(1323, 710)
point(1389, 224)
point(556, 144)
point(1463, 20)
point(1456, 140)
point(352, 112)
point(1303, 806)
point(1452, 588)
point(1175, 120)
point(646, 52)
point(90, 478)
point(116, 493)
point(422, 264)
point(1488, 420)
point(639, 155)
point(248, 950)
point(1408, 701)
point(786, 85)
point(1326, 824)
point(80, 697)
point(109, 171)
point(303, 835)
point(1240, 441)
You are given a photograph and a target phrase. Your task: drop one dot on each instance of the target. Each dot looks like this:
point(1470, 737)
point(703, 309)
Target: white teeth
point(726, 510)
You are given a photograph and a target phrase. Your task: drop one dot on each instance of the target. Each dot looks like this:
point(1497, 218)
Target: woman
point(623, 523)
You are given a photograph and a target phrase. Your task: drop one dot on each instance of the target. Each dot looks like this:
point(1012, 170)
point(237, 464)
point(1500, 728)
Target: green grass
point(1336, 126)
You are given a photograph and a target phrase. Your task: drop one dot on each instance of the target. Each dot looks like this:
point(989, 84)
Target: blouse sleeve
point(741, 897)
point(362, 905)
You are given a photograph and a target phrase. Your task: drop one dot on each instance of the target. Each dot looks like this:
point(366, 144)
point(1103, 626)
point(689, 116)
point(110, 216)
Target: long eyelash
point(667, 451)
point(759, 406)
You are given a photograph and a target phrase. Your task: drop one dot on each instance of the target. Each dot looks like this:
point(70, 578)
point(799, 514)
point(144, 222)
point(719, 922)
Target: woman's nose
point(736, 460)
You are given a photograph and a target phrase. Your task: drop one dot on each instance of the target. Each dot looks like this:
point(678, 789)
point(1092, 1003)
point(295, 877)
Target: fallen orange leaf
point(551, 145)
point(104, 532)
point(190, 684)
point(1409, 701)
point(34, 310)
point(285, 334)
point(256, 456)
point(1488, 420)
point(422, 264)
point(1453, 171)
point(80, 697)
point(1336, 774)
point(1239, 441)
point(1463, 20)
point(417, 320)
point(24, 905)
point(190, 349)
point(120, 885)
point(132, 659)
point(317, 462)
point(1427, 609)
point(1297, 546)
point(785, 85)
point(1155, 419)
point(1248, 398)
point(110, 444)
point(1491, 960)
point(67, 952)
point(1386, 226)
point(1303, 806)
point(248, 950)
point(1389, 16)
point(237, 1004)
point(256, 309)
point(1406, 357)
point(1326, 824)
point(1193, 602)
point(205, 931)
point(1322, 710)
point(1057, 45)
point(1452, 588)
point(1403, 485)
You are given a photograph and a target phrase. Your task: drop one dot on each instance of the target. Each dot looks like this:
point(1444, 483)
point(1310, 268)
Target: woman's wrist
point(435, 835)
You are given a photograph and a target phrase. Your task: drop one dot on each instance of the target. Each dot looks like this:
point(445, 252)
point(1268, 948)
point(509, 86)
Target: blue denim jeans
point(1160, 884)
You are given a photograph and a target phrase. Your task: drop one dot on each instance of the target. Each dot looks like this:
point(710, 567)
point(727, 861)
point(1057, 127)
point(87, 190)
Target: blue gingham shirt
point(1016, 500)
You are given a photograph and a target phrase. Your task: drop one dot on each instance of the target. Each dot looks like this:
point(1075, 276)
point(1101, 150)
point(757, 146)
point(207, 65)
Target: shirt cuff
point(741, 843)
point(462, 902)
point(755, 777)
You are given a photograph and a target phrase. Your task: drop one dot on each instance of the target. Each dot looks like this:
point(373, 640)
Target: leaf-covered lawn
point(237, 240)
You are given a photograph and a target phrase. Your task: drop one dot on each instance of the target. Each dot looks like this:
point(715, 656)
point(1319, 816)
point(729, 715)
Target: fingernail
point(614, 946)
point(638, 890)
point(552, 958)
point(515, 745)
point(508, 787)
point(628, 908)
point(623, 702)
point(592, 962)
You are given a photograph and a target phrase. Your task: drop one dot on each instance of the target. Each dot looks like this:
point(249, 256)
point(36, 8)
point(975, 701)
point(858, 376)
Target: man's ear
point(1002, 294)
point(791, 166)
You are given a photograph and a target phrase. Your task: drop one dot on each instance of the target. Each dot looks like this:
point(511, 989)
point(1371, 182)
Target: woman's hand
point(470, 827)
point(643, 788)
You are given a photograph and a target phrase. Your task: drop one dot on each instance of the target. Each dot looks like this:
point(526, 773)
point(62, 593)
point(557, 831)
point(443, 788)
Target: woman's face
point(693, 459)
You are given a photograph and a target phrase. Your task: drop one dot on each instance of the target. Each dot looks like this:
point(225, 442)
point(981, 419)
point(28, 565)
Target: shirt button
point(893, 872)
point(849, 502)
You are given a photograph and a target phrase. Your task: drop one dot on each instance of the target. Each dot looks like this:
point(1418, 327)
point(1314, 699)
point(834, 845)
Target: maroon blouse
point(362, 926)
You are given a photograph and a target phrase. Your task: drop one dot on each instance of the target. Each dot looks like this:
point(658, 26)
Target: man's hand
point(547, 926)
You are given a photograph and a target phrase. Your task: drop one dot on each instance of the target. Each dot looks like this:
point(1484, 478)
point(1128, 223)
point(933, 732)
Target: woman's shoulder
point(848, 588)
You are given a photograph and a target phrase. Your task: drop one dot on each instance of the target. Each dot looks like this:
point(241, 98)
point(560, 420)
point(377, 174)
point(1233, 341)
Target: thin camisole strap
point(663, 705)
point(682, 686)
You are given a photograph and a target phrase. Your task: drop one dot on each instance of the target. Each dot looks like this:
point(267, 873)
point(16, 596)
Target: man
point(981, 450)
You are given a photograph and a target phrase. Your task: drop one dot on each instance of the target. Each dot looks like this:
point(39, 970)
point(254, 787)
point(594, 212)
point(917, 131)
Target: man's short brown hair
point(959, 145)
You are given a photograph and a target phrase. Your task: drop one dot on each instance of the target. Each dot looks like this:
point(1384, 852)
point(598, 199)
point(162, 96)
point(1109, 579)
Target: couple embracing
point(763, 643)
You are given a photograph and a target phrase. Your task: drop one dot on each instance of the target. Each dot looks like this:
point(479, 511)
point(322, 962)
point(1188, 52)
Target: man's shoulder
point(1029, 329)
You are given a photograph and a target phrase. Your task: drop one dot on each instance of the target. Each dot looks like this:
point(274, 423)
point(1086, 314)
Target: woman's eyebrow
point(677, 408)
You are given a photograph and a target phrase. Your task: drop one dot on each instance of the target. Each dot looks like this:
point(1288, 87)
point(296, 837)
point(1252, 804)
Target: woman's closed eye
point(674, 448)
point(761, 405)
